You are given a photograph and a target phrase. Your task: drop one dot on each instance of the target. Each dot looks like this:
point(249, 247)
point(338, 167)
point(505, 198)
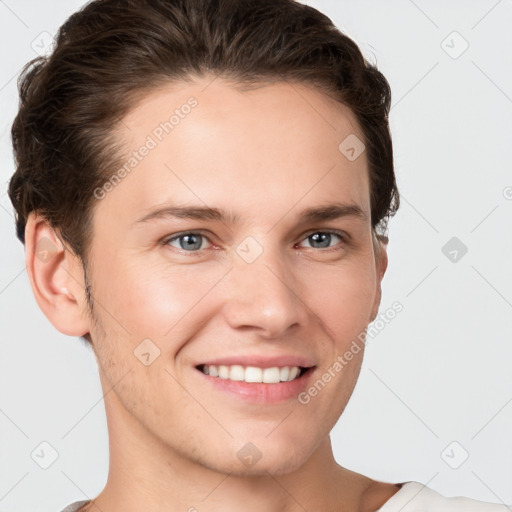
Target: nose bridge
point(263, 292)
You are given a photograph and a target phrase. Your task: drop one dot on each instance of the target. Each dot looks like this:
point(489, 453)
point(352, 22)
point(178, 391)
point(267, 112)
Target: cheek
point(153, 300)
point(342, 296)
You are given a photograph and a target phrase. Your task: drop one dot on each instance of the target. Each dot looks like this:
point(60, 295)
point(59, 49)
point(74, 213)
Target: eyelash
point(343, 236)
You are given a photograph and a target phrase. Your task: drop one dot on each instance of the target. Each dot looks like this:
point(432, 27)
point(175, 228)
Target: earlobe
point(55, 278)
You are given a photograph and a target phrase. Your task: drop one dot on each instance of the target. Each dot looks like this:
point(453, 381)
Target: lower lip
point(260, 392)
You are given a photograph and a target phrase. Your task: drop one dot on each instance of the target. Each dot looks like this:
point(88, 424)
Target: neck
point(145, 474)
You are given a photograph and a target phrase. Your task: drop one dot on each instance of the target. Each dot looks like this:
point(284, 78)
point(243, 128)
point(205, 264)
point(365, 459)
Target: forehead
point(209, 142)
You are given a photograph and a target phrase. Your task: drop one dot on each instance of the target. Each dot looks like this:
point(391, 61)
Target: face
point(245, 277)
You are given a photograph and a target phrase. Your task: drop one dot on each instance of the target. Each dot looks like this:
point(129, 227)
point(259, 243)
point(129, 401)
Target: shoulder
point(416, 497)
point(376, 494)
point(75, 507)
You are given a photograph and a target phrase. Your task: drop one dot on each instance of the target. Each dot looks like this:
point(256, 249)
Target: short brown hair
point(112, 51)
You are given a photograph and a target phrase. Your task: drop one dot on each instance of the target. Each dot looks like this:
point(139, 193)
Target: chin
point(275, 466)
point(263, 456)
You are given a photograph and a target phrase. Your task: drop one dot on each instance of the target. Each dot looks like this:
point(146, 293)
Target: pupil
point(191, 242)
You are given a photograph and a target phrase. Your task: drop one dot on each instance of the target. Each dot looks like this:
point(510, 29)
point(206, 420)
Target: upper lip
point(261, 361)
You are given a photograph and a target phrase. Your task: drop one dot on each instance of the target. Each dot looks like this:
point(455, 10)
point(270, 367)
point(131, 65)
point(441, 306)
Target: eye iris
point(324, 239)
point(192, 241)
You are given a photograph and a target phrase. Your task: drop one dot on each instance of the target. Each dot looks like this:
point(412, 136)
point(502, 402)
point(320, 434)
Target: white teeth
point(271, 375)
point(237, 372)
point(223, 372)
point(253, 374)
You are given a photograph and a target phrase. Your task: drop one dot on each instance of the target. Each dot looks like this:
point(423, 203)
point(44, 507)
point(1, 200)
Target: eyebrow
point(326, 212)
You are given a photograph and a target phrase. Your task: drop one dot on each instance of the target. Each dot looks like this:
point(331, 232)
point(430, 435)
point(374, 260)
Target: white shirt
point(412, 497)
point(416, 497)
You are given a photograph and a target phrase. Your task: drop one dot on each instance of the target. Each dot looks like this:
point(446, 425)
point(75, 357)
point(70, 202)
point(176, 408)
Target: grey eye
point(321, 239)
point(188, 241)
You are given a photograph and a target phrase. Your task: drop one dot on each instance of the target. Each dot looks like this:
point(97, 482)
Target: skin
point(265, 155)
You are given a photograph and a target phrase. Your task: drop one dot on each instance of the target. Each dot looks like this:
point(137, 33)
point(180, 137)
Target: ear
point(381, 264)
point(56, 278)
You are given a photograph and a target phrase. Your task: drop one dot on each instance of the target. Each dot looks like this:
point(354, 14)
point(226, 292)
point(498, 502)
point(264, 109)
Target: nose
point(264, 295)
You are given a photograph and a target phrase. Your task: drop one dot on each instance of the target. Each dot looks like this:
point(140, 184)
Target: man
point(203, 189)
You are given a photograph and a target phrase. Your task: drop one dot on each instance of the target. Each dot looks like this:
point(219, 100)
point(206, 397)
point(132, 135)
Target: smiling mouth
point(254, 374)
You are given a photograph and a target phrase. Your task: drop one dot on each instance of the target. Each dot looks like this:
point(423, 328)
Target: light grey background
point(437, 373)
